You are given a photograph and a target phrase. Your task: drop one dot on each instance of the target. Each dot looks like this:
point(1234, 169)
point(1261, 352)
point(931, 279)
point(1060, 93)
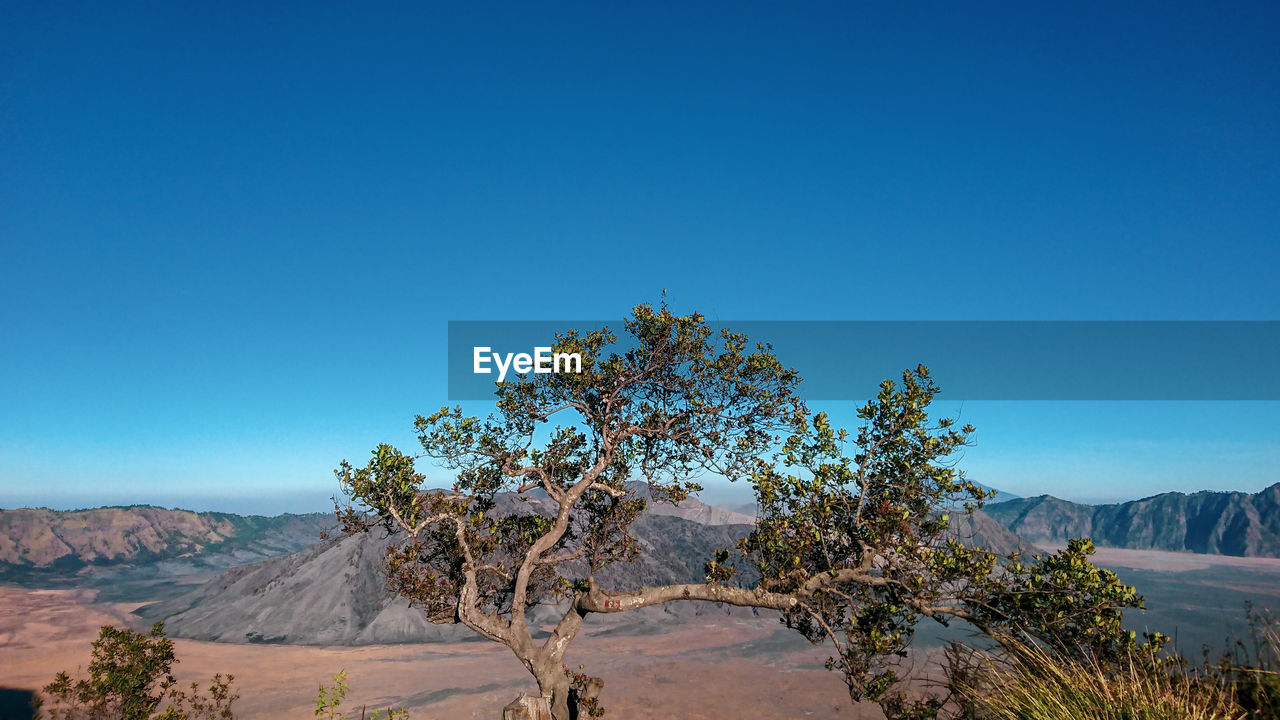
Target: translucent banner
point(970, 360)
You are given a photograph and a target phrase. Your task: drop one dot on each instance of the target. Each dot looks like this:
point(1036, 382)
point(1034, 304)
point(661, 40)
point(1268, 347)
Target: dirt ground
point(1174, 561)
point(722, 668)
point(712, 667)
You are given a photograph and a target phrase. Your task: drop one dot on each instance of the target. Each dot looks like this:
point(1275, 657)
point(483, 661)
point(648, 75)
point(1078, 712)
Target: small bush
point(130, 679)
point(329, 699)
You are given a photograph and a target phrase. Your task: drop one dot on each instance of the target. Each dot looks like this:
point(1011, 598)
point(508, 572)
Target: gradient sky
point(231, 236)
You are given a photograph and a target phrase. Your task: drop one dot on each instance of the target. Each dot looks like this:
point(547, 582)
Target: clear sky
point(231, 236)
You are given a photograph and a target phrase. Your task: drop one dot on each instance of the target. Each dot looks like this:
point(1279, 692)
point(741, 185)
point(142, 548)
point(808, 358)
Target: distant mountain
point(981, 530)
point(1219, 523)
point(691, 509)
point(1001, 495)
point(741, 511)
point(335, 593)
point(40, 541)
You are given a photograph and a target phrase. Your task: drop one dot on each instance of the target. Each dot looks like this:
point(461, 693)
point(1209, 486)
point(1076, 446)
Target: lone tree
point(853, 549)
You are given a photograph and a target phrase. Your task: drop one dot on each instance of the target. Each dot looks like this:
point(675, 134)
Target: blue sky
point(231, 237)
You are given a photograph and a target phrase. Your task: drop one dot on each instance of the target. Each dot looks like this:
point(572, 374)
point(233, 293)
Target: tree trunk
point(527, 707)
point(553, 701)
point(557, 687)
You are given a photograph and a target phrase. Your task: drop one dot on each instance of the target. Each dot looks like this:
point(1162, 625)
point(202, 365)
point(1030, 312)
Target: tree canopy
point(852, 541)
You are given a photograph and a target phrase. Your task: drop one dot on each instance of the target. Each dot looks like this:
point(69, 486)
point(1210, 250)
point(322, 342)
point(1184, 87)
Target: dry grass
point(1032, 684)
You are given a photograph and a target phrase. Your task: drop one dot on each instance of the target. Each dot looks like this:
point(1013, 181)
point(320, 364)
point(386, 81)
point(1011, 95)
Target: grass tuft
point(1030, 683)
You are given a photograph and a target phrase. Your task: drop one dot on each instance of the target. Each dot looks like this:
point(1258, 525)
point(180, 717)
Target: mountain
point(736, 510)
point(37, 542)
point(1000, 496)
point(1219, 523)
point(330, 593)
point(334, 592)
point(690, 508)
point(981, 530)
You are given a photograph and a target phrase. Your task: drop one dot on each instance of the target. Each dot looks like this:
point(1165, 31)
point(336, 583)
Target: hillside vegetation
point(66, 541)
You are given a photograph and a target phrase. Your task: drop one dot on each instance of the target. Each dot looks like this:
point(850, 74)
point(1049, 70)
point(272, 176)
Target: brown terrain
point(711, 665)
point(40, 537)
point(718, 667)
point(1162, 560)
point(283, 617)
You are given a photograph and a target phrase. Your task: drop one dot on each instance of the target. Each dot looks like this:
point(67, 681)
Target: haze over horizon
point(231, 239)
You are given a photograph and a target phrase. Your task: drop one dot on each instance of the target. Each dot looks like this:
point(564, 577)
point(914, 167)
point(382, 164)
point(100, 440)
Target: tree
point(851, 550)
point(130, 679)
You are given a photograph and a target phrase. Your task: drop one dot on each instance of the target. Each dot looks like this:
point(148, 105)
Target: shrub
point(130, 679)
point(1253, 668)
point(329, 700)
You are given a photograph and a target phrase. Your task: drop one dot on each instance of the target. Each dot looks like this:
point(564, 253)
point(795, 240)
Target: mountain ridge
point(41, 540)
point(335, 592)
point(1208, 522)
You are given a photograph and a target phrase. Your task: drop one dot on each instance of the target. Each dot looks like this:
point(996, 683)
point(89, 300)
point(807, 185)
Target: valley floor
point(713, 666)
point(702, 670)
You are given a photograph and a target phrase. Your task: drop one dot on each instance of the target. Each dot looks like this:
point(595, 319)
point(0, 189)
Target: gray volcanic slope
point(1220, 523)
point(335, 593)
point(981, 530)
point(330, 593)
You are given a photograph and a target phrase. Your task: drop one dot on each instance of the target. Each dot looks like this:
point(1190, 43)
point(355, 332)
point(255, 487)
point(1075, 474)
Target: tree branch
point(599, 600)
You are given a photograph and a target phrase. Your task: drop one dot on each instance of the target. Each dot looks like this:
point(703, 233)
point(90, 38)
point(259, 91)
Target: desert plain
point(712, 666)
point(723, 667)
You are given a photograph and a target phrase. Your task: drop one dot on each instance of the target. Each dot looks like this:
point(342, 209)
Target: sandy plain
point(713, 666)
point(1174, 561)
point(722, 668)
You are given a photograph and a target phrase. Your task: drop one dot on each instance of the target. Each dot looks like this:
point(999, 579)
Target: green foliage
point(861, 537)
point(676, 401)
point(1067, 602)
point(1253, 666)
point(822, 511)
point(329, 700)
point(389, 484)
point(584, 690)
point(130, 679)
point(853, 540)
